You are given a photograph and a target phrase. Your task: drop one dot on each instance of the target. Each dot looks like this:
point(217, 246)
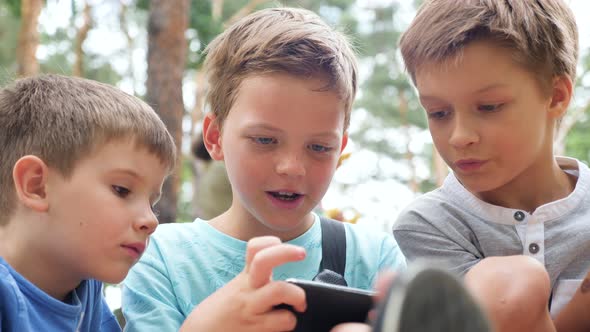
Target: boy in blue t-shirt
point(281, 87)
point(82, 165)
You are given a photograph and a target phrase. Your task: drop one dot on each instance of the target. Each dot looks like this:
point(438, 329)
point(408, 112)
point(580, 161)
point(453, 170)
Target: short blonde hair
point(542, 34)
point(286, 40)
point(64, 119)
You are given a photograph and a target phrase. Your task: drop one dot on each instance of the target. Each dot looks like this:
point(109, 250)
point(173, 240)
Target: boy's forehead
point(478, 60)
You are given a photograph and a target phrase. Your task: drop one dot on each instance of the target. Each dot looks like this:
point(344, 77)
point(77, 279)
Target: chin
point(112, 276)
point(282, 227)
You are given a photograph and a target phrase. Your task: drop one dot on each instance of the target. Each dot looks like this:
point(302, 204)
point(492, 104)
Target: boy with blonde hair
point(281, 87)
point(495, 77)
point(82, 166)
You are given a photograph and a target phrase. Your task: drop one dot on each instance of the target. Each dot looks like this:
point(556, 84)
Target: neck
point(22, 247)
point(240, 224)
point(542, 183)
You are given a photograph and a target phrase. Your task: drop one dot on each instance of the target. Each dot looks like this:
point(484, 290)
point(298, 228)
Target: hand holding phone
point(329, 305)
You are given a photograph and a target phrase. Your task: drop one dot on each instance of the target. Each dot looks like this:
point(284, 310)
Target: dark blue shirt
point(25, 307)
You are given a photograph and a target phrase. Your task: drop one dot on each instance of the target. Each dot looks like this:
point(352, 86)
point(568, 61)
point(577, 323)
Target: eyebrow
point(127, 171)
point(263, 126)
point(491, 87)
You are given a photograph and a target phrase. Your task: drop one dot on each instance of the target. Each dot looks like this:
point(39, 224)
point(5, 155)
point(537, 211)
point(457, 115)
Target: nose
point(147, 222)
point(290, 164)
point(463, 132)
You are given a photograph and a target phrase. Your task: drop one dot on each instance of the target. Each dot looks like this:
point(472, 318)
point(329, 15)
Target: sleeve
point(391, 257)
point(148, 299)
point(368, 252)
point(436, 235)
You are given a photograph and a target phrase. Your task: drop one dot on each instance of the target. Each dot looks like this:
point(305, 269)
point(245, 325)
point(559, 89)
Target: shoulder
point(175, 236)
point(9, 293)
point(359, 233)
point(370, 242)
point(173, 231)
point(429, 208)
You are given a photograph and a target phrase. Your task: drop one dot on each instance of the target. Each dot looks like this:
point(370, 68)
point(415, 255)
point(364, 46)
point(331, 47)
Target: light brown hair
point(541, 34)
point(64, 119)
point(286, 40)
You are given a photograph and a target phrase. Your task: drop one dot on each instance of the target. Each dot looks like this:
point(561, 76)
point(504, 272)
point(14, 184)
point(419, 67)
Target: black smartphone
point(329, 305)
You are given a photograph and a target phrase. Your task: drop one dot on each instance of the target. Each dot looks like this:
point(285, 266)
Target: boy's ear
point(212, 136)
point(561, 95)
point(30, 178)
point(344, 142)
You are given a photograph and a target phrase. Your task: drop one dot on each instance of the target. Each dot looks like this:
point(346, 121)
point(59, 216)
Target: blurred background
point(153, 49)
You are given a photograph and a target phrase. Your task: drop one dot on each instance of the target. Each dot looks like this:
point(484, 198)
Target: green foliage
point(577, 143)
point(204, 28)
point(578, 140)
point(13, 6)
point(185, 208)
point(387, 94)
point(318, 6)
point(9, 27)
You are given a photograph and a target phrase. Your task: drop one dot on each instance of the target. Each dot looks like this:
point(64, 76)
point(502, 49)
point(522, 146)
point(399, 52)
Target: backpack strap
point(333, 246)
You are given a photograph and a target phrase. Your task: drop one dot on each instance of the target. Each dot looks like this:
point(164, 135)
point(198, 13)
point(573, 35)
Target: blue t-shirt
point(185, 263)
point(25, 307)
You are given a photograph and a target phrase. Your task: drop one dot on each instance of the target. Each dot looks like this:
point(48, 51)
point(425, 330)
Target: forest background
point(154, 50)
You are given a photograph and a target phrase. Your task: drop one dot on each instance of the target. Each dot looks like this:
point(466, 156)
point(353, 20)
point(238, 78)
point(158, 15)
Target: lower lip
point(283, 204)
point(132, 252)
point(469, 167)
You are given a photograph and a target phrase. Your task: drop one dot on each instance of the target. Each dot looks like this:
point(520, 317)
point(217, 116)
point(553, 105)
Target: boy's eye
point(121, 191)
point(489, 108)
point(264, 140)
point(319, 148)
point(437, 115)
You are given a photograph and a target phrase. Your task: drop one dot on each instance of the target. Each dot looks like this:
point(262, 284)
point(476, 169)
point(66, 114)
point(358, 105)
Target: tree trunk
point(28, 38)
point(167, 24)
point(216, 9)
point(80, 38)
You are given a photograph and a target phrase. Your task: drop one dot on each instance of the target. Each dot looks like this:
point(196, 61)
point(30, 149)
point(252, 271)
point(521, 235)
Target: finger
point(265, 260)
point(384, 281)
point(256, 244)
point(382, 286)
point(278, 292)
point(351, 327)
point(276, 320)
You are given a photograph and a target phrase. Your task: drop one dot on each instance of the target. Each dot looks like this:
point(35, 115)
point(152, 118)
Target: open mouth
point(284, 196)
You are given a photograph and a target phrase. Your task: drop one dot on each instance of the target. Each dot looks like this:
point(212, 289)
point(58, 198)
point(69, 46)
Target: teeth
point(287, 196)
